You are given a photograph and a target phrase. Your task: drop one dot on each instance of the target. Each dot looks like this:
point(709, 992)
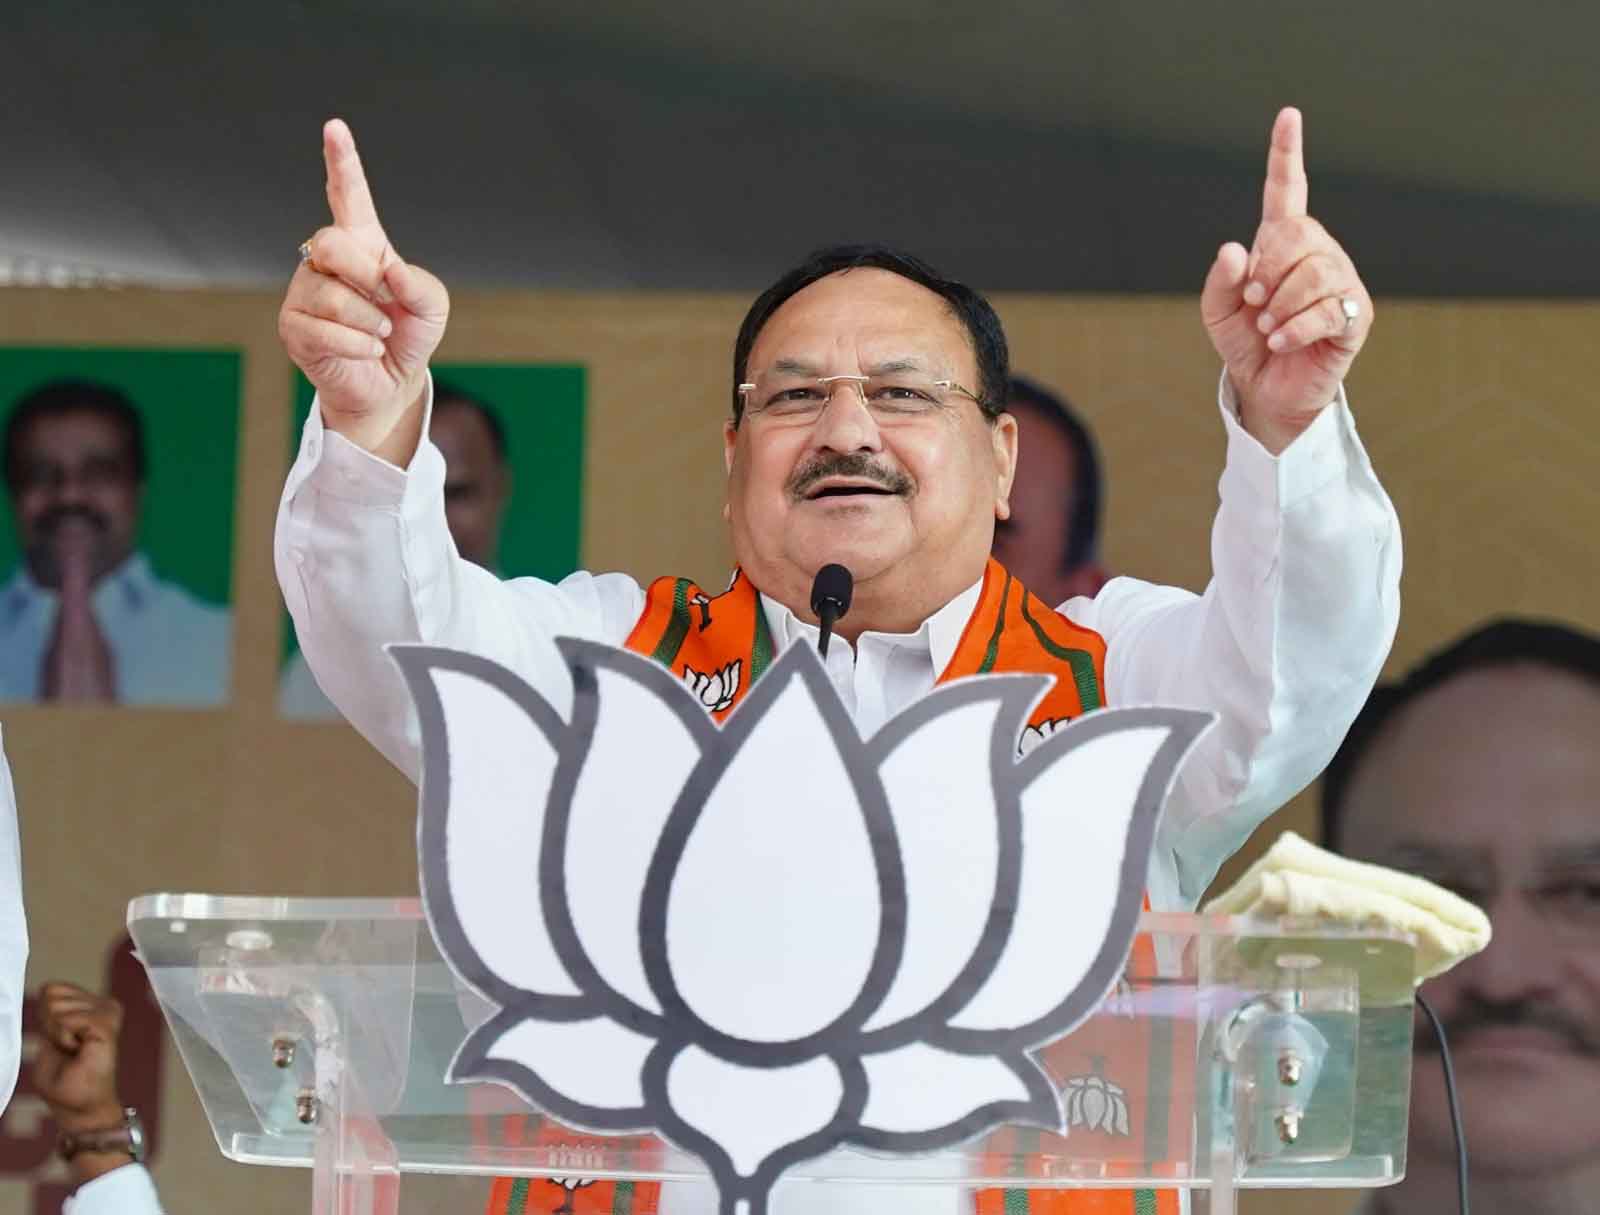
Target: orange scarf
point(720, 645)
point(727, 637)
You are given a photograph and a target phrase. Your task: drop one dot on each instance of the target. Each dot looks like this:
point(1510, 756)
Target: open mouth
point(849, 491)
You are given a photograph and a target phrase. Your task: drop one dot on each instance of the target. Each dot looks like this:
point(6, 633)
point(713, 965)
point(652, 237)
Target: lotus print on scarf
point(1032, 736)
point(571, 1185)
point(715, 690)
point(771, 938)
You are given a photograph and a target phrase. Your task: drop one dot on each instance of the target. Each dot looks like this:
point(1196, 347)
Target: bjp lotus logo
point(714, 690)
point(1032, 736)
point(773, 938)
point(1096, 1103)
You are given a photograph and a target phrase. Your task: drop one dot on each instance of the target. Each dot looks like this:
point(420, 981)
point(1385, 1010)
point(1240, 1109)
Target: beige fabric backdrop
point(1478, 416)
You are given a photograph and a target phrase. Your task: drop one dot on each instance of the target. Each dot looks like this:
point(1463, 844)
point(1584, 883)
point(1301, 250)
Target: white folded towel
point(1296, 878)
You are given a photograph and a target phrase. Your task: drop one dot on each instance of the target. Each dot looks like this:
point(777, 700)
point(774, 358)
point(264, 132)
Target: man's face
point(1032, 543)
point(77, 497)
point(476, 482)
point(911, 499)
point(1490, 785)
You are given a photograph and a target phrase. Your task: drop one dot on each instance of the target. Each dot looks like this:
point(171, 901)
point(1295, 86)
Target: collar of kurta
point(936, 638)
point(721, 644)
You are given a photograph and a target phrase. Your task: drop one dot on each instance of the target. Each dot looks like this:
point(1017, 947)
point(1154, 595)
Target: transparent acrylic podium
point(1234, 1054)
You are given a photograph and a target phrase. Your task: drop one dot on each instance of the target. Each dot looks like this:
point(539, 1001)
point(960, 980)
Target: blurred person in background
point(477, 473)
point(85, 618)
point(75, 1071)
point(1051, 541)
point(477, 490)
point(1480, 770)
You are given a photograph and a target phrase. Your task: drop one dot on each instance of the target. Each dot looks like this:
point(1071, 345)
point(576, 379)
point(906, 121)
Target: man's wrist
point(102, 1116)
point(99, 1139)
point(392, 432)
point(1273, 432)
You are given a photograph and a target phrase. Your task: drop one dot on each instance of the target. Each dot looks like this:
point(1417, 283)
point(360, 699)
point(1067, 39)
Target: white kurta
point(1284, 644)
point(13, 935)
point(125, 1191)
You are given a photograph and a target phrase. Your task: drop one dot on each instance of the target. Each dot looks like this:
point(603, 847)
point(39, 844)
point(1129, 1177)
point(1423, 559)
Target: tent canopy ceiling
point(1034, 146)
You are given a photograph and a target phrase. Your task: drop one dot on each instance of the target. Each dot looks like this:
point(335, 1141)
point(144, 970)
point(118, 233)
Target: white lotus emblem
point(1095, 1103)
point(771, 938)
point(716, 690)
point(1032, 736)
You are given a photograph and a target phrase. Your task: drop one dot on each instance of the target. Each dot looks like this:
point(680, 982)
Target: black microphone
point(830, 600)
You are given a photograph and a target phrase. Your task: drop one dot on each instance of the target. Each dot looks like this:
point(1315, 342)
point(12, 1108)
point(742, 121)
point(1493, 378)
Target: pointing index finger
point(348, 195)
point(1284, 196)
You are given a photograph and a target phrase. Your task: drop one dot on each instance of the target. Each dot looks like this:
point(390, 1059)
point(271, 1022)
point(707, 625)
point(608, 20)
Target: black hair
point(1505, 641)
point(1083, 513)
point(444, 392)
point(60, 397)
point(973, 311)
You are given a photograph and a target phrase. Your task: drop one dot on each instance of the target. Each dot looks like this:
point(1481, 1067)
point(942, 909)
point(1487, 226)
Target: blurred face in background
point(477, 482)
point(1490, 785)
point(1033, 542)
point(902, 491)
point(76, 495)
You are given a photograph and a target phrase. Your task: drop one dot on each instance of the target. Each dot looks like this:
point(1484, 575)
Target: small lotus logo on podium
point(1095, 1103)
point(773, 938)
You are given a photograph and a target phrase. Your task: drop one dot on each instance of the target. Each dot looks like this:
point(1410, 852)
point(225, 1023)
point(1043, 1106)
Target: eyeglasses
point(782, 396)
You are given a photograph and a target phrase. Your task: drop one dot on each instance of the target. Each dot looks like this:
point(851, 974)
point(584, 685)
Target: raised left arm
point(1289, 637)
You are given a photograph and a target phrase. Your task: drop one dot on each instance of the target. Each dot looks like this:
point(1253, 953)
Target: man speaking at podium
point(867, 429)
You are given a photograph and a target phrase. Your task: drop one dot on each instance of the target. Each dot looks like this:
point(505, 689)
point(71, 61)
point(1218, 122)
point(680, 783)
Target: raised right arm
point(362, 550)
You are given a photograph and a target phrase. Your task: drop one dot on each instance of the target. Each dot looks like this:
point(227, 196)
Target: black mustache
point(847, 464)
point(52, 520)
point(1476, 1013)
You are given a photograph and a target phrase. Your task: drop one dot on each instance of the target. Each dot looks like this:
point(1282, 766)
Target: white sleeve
point(125, 1191)
point(13, 936)
point(364, 559)
point(1284, 645)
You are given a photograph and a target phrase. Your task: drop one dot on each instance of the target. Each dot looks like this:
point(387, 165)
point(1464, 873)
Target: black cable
point(1450, 1094)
